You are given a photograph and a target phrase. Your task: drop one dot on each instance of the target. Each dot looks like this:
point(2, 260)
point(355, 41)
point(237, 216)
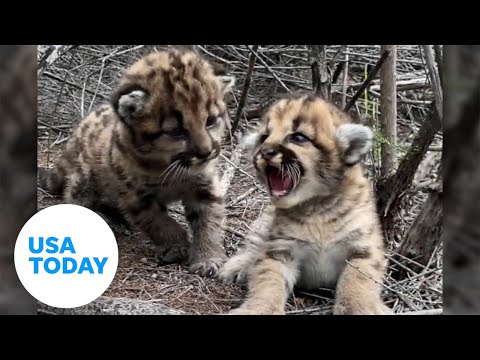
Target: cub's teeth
point(279, 193)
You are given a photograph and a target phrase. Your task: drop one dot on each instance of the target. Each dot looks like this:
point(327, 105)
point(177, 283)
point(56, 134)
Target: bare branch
point(345, 80)
point(269, 69)
point(246, 86)
point(367, 81)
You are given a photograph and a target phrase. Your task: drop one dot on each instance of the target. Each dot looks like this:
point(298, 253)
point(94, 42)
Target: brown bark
point(388, 110)
point(423, 236)
point(391, 189)
point(320, 74)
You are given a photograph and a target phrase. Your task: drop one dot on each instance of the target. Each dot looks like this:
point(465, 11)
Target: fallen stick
point(233, 231)
point(403, 85)
point(241, 197)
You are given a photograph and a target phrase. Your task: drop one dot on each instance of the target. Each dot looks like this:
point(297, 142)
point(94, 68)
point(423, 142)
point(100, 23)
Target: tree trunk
point(423, 236)
point(18, 166)
point(461, 235)
point(388, 111)
point(391, 189)
point(320, 74)
point(434, 77)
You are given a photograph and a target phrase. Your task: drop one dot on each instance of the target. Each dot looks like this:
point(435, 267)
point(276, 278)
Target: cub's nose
point(268, 153)
point(203, 154)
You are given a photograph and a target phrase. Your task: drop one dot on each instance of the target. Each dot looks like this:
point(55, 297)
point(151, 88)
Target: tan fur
point(156, 142)
point(325, 232)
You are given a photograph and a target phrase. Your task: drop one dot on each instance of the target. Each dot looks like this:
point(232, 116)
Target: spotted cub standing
point(322, 228)
point(156, 142)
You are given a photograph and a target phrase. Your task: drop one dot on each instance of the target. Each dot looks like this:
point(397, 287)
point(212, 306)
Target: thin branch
point(337, 54)
point(241, 197)
point(345, 81)
point(368, 80)
point(270, 70)
point(246, 87)
point(98, 85)
point(55, 77)
point(213, 55)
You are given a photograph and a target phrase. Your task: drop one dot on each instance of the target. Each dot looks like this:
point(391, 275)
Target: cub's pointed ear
point(228, 82)
point(355, 141)
point(130, 104)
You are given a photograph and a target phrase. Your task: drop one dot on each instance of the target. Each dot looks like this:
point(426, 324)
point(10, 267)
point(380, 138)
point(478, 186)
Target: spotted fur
point(156, 142)
point(325, 231)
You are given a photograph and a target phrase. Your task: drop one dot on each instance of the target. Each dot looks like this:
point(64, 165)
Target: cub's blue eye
point(299, 138)
point(178, 133)
point(211, 120)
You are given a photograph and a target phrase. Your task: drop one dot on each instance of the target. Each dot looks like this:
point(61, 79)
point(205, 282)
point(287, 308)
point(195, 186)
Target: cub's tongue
point(278, 186)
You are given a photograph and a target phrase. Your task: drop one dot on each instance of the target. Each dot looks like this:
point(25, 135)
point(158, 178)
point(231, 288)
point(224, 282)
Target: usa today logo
point(66, 256)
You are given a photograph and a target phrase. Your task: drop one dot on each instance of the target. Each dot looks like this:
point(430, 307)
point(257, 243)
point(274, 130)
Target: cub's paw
point(251, 311)
point(234, 272)
point(207, 267)
point(240, 311)
point(173, 246)
point(171, 254)
point(362, 309)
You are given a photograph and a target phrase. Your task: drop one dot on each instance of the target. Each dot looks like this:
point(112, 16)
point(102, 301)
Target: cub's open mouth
point(280, 183)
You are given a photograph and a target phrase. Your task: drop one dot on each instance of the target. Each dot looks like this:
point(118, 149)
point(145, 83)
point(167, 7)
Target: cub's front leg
point(205, 214)
point(270, 282)
point(170, 238)
point(236, 269)
point(359, 288)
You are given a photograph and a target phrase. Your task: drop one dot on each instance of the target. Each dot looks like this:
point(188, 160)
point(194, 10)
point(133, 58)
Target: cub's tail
point(51, 180)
